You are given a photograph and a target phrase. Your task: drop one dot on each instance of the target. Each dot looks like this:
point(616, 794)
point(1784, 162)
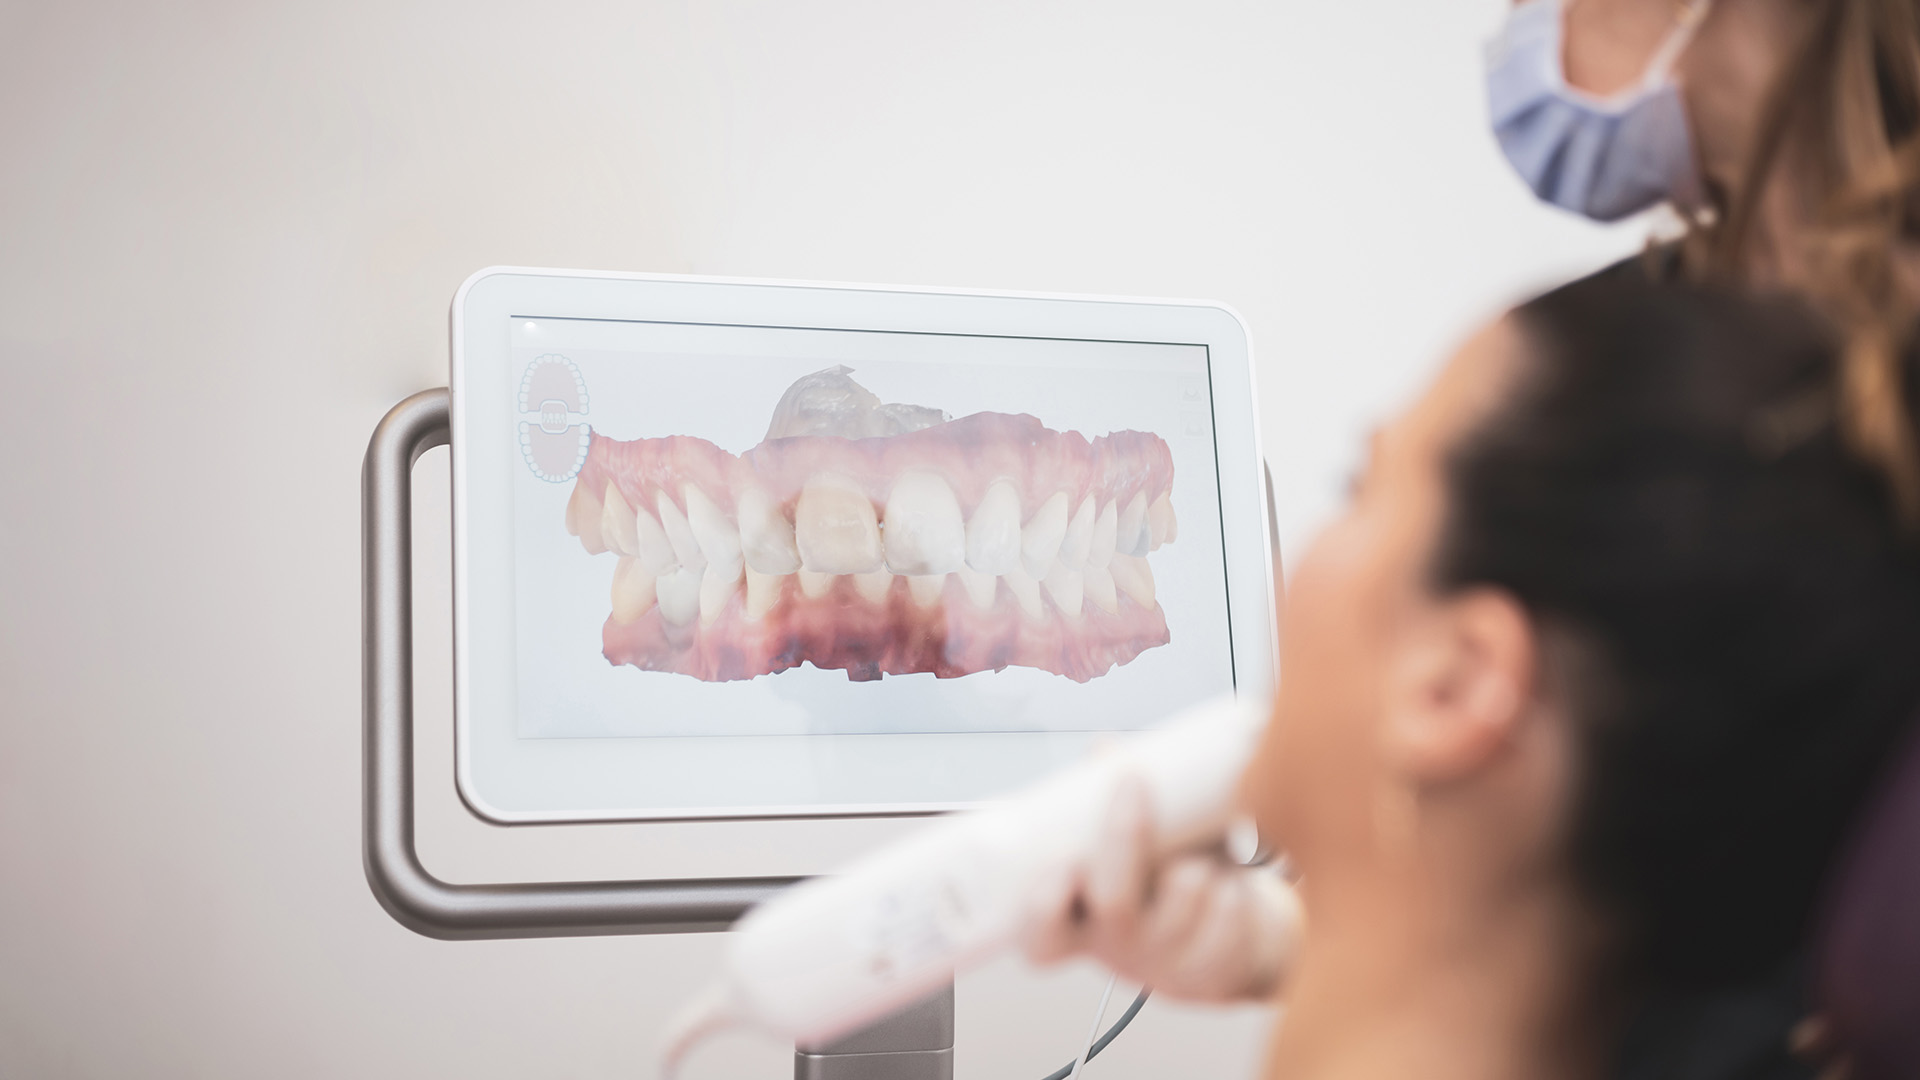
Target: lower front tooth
point(678, 591)
point(1161, 526)
point(1077, 544)
point(686, 547)
point(813, 585)
point(874, 586)
point(763, 592)
point(1131, 535)
point(616, 523)
point(583, 519)
point(766, 536)
point(924, 533)
point(926, 589)
point(1067, 587)
point(716, 588)
point(632, 590)
point(993, 536)
point(1026, 591)
point(1040, 537)
point(835, 528)
point(980, 587)
point(1099, 589)
point(1135, 579)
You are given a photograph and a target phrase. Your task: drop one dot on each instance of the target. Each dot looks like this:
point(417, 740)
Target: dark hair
point(1666, 490)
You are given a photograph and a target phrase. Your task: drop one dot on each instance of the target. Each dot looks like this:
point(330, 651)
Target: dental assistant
point(1784, 136)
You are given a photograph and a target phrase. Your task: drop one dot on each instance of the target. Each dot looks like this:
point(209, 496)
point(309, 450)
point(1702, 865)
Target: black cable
point(1113, 1032)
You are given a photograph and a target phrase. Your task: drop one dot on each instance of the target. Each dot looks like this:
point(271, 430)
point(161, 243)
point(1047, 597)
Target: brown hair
point(1848, 107)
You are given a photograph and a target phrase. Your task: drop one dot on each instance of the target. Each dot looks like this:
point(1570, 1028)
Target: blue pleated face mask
point(1605, 158)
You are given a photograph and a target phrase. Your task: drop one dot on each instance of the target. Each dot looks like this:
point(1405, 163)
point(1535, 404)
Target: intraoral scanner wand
point(833, 954)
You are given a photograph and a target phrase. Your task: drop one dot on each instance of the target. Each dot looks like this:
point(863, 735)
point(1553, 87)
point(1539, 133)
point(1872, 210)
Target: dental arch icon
point(879, 539)
point(555, 442)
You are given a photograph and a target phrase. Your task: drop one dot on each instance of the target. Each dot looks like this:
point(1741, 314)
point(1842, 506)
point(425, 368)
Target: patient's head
point(1615, 626)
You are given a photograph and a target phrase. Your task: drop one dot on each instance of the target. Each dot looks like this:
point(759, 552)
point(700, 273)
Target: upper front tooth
point(1067, 587)
point(616, 523)
point(835, 529)
point(653, 547)
point(924, 531)
point(1040, 538)
point(1099, 586)
point(980, 587)
point(1135, 579)
point(1131, 535)
point(1161, 526)
point(718, 539)
point(686, 548)
point(632, 590)
point(1077, 544)
point(679, 593)
point(583, 519)
point(766, 536)
point(993, 536)
point(1101, 549)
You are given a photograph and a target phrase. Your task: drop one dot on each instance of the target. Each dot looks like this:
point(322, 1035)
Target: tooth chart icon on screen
point(873, 538)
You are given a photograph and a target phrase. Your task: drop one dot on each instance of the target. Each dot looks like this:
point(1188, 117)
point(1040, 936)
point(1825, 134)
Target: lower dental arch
point(879, 540)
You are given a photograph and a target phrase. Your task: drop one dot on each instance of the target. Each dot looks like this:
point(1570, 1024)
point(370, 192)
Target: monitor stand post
point(915, 1043)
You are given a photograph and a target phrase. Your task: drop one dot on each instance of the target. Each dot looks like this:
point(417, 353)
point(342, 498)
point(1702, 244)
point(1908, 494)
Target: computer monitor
point(732, 549)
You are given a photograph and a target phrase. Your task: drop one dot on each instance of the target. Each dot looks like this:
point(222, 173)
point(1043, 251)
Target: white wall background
point(229, 233)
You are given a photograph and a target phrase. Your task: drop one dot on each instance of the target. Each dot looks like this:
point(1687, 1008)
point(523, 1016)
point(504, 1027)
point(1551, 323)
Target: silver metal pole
point(410, 894)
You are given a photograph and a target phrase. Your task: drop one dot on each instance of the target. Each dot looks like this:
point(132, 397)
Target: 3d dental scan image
point(879, 539)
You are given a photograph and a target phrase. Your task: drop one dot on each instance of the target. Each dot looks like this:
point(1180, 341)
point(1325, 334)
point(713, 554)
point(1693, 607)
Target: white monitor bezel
point(483, 649)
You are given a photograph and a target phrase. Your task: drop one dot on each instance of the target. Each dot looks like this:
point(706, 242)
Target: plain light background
point(229, 233)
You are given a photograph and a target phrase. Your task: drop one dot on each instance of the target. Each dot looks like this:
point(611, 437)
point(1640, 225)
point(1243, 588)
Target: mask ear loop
point(1686, 21)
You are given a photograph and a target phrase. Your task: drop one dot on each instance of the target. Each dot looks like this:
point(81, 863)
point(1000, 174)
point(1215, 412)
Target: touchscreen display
point(757, 531)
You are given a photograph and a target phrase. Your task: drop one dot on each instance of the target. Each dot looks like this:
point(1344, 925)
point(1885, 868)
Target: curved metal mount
point(416, 898)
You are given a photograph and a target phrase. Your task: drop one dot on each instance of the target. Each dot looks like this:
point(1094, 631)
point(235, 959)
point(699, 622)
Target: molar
point(835, 528)
point(1026, 591)
point(1078, 541)
point(993, 536)
point(873, 586)
point(583, 519)
point(766, 536)
point(980, 587)
point(716, 588)
point(686, 548)
point(1135, 578)
point(926, 589)
point(763, 592)
point(719, 541)
point(1099, 589)
point(1040, 538)
point(616, 523)
point(1161, 526)
point(1100, 551)
point(924, 532)
point(1132, 537)
point(632, 590)
point(1067, 587)
point(679, 594)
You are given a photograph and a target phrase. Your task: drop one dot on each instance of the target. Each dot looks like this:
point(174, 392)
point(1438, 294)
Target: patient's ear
point(1460, 685)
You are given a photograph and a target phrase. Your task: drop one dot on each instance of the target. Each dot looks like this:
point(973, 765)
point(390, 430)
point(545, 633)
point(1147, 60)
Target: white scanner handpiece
point(834, 953)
